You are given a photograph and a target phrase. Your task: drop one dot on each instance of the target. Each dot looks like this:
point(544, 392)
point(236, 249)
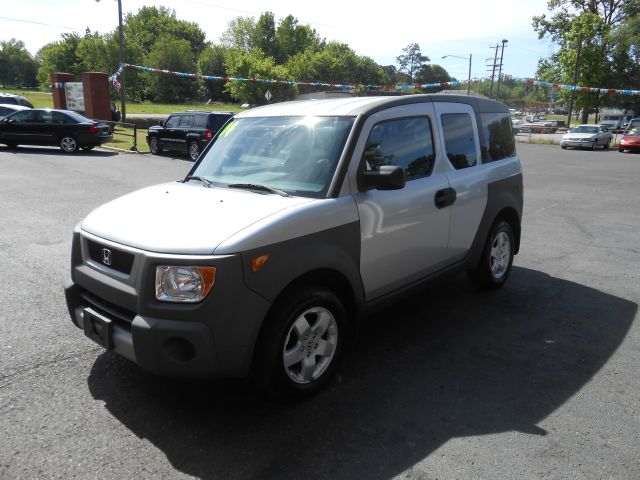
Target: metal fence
point(124, 130)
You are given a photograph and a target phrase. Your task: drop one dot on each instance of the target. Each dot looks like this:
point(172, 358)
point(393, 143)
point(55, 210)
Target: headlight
point(183, 284)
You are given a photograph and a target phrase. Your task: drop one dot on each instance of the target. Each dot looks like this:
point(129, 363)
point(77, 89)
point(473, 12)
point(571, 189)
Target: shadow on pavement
point(55, 151)
point(451, 362)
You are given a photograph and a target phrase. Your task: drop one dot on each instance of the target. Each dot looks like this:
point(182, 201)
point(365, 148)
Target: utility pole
point(575, 80)
point(504, 41)
point(493, 72)
point(123, 103)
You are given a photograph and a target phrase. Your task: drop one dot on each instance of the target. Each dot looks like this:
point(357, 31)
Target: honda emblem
point(106, 256)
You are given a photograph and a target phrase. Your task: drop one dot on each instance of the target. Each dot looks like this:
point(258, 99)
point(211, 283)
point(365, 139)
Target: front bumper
point(214, 338)
point(576, 144)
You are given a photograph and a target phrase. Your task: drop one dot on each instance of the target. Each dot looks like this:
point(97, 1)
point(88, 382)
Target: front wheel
point(595, 144)
point(497, 258)
point(194, 151)
point(300, 345)
point(69, 144)
point(154, 146)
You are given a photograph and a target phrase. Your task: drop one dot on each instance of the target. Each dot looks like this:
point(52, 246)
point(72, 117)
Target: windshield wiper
point(256, 186)
point(205, 182)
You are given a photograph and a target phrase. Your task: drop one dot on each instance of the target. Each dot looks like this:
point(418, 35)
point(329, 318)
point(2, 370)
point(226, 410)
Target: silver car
point(298, 220)
point(587, 136)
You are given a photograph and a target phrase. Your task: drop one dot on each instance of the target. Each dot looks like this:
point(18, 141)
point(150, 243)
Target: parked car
point(186, 132)
point(630, 140)
point(587, 136)
point(9, 109)
point(633, 123)
point(301, 218)
point(65, 128)
point(11, 99)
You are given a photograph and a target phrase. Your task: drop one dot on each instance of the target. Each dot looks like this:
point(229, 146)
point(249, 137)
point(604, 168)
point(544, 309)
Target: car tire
point(194, 151)
point(621, 150)
point(69, 144)
point(564, 147)
point(497, 258)
point(594, 145)
point(607, 145)
point(300, 344)
point(154, 146)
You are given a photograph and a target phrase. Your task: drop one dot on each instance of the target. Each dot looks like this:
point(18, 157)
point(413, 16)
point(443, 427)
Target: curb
point(116, 149)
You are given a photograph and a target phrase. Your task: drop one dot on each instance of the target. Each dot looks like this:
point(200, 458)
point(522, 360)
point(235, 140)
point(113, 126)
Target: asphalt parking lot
point(537, 380)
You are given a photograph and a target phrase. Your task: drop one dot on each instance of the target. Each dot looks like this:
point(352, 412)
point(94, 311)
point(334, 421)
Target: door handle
point(445, 197)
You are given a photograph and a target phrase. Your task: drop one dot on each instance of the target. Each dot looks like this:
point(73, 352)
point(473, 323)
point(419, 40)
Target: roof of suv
point(15, 100)
point(203, 112)
point(366, 105)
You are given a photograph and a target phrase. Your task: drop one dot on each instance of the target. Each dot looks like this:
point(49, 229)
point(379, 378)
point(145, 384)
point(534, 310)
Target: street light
point(123, 104)
point(469, 79)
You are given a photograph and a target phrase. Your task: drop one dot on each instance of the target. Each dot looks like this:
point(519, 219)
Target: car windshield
point(296, 155)
point(584, 129)
point(634, 132)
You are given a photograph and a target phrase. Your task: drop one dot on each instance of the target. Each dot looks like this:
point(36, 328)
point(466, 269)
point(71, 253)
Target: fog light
point(183, 284)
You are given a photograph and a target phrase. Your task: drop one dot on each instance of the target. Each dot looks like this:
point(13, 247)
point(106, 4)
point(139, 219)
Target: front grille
point(111, 257)
point(118, 314)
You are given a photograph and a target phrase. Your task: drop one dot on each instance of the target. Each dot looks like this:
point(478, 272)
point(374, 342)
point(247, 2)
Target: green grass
point(123, 139)
point(45, 100)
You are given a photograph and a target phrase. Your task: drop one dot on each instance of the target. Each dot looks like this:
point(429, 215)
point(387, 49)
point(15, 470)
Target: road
point(537, 380)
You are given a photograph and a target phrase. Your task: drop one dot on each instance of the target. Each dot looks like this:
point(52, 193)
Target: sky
point(377, 30)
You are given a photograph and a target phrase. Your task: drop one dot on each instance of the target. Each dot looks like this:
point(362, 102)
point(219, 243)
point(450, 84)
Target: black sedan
point(64, 128)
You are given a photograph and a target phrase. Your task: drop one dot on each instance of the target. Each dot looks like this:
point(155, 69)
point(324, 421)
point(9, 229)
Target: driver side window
point(406, 142)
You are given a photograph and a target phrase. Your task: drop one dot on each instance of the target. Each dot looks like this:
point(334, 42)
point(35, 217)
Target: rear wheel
point(68, 144)
point(594, 145)
point(497, 258)
point(154, 146)
point(298, 350)
point(607, 145)
point(194, 151)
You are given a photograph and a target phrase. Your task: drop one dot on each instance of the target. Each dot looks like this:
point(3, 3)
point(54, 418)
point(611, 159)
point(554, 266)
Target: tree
point(171, 54)
point(17, 66)
point(212, 62)
point(592, 27)
point(432, 74)
point(256, 64)
point(144, 28)
point(293, 38)
point(264, 35)
point(59, 56)
point(240, 34)
point(412, 60)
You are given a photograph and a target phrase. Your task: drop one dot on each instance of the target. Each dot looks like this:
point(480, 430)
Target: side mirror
point(389, 177)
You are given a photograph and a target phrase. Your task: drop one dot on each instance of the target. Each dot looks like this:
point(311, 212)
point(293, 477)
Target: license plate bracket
point(98, 328)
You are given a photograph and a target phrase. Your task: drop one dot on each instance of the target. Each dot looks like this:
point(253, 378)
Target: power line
point(39, 23)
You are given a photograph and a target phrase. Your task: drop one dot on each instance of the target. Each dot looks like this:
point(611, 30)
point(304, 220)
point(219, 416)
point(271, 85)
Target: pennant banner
point(535, 83)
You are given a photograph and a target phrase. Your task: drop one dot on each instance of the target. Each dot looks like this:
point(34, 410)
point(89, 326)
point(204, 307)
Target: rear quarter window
point(459, 140)
point(498, 137)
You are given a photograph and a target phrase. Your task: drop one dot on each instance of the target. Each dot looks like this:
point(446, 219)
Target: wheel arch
point(509, 215)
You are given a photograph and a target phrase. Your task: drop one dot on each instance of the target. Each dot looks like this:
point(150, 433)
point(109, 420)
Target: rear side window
point(200, 121)
point(186, 121)
point(407, 143)
point(217, 121)
point(498, 136)
point(459, 140)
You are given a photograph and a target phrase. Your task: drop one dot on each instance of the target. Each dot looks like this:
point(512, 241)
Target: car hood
point(576, 136)
point(182, 218)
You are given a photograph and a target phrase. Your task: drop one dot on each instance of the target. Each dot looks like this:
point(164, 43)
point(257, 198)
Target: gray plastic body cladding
point(501, 194)
point(336, 249)
point(231, 315)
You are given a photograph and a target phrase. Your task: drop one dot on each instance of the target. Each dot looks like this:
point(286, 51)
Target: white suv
point(296, 221)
